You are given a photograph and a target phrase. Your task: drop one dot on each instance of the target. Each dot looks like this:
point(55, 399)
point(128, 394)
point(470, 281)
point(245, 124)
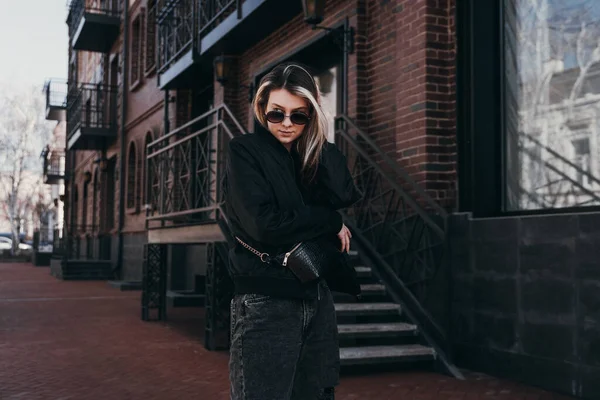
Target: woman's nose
point(287, 122)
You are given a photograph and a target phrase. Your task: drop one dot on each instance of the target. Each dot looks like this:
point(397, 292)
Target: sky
point(33, 41)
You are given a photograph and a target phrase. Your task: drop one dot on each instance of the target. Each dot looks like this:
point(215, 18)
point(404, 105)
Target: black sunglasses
point(297, 118)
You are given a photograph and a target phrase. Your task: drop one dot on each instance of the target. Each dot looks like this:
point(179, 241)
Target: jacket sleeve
point(335, 185)
point(250, 196)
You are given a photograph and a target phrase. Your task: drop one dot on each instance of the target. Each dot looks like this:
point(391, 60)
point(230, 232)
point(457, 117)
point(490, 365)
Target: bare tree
point(23, 133)
point(556, 49)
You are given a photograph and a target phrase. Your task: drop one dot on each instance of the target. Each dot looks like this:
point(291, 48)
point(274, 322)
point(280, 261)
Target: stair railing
point(399, 230)
point(186, 167)
point(401, 221)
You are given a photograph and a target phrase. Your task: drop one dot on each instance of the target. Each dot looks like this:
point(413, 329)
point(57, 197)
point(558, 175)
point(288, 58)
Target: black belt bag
point(313, 259)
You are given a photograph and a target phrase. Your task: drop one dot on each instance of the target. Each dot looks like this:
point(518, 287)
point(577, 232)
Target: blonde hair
point(298, 81)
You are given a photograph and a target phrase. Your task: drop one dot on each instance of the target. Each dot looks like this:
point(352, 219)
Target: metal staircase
point(398, 230)
point(374, 330)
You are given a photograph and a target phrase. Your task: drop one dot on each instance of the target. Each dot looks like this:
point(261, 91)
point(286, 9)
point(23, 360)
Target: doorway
point(108, 197)
point(323, 57)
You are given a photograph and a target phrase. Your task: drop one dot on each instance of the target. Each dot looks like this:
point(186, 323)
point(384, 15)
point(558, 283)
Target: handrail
point(396, 231)
point(560, 157)
point(390, 180)
point(183, 127)
point(184, 151)
point(430, 331)
point(392, 164)
point(203, 25)
point(191, 122)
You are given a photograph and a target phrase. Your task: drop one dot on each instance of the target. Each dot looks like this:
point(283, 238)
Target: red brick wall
point(401, 81)
point(401, 87)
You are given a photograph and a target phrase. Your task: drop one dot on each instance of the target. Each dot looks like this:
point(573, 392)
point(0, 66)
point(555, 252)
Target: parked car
point(6, 246)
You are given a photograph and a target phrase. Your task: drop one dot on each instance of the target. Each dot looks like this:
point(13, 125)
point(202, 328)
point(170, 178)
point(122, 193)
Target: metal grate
point(56, 93)
point(187, 165)
point(176, 31)
point(77, 8)
point(92, 106)
point(399, 220)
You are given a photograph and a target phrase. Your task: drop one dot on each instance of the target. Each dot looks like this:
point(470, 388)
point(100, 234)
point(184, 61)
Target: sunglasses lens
point(275, 117)
point(299, 118)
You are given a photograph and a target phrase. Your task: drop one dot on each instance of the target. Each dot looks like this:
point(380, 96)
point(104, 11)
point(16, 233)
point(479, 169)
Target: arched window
point(95, 199)
point(75, 205)
point(147, 170)
point(131, 170)
point(84, 210)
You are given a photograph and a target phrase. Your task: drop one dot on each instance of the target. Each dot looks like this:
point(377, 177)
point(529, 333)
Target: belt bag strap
point(264, 257)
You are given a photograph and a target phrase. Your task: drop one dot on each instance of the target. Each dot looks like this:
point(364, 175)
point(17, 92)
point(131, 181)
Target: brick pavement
point(85, 340)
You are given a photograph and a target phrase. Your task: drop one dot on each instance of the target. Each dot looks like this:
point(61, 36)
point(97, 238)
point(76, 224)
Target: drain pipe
point(124, 86)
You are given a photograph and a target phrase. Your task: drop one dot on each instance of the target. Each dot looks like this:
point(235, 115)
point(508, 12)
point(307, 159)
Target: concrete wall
point(133, 256)
point(526, 299)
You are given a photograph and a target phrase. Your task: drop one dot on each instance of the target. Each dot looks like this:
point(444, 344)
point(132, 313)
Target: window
point(85, 206)
point(136, 50)
point(95, 200)
point(131, 181)
point(150, 58)
point(551, 90)
point(582, 161)
point(147, 170)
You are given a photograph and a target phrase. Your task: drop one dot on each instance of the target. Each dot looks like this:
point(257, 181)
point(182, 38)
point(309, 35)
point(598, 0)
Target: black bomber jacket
point(271, 210)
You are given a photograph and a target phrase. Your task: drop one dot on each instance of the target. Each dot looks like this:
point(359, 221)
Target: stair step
point(355, 331)
point(385, 354)
point(355, 309)
point(363, 272)
point(369, 292)
point(372, 288)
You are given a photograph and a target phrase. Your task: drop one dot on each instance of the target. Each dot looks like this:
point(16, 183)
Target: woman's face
point(286, 131)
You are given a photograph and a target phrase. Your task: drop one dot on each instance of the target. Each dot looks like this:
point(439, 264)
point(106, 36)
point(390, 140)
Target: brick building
point(428, 100)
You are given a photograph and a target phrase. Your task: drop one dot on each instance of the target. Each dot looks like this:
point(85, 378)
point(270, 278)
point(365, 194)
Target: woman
point(284, 184)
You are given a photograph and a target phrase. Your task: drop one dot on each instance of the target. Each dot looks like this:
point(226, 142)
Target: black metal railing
point(77, 8)
point(54, 164)
point(56, 93)
point(82, 242)
point(186, 166)
point(564, 183)
point(400, 221)
point(183, 23)
point(176, 30)
point(212, 12)
point(92, 105)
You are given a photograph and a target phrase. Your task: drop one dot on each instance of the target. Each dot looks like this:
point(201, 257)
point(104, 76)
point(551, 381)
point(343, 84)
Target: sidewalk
point(85, 340)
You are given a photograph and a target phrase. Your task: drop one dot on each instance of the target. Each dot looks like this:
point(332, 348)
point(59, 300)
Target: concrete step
point(385, 354)
point(372, 289)
point(185, 298)
point(367, 289)
point(363, 272)
point(360, 331)
point(367, 309)
point(370, 293)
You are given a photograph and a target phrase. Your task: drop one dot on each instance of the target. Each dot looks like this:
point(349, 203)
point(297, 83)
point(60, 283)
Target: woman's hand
point(345, 236)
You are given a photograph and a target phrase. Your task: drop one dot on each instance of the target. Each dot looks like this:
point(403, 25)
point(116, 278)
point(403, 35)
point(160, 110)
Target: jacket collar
point(273, 141)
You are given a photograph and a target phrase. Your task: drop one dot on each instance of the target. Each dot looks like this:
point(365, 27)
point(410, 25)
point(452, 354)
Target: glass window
point(552, 103)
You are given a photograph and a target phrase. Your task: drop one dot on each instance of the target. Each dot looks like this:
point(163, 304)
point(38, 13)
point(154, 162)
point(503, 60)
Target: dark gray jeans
point(283, 349)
